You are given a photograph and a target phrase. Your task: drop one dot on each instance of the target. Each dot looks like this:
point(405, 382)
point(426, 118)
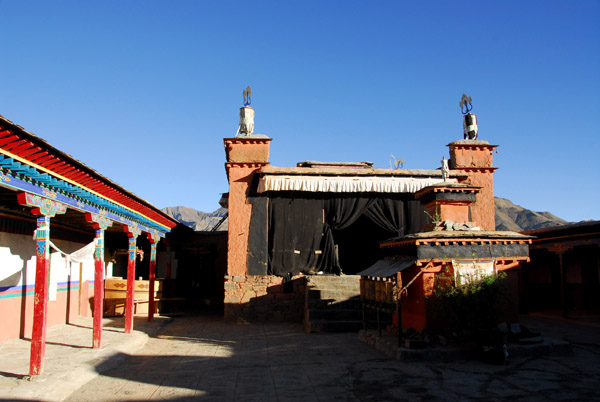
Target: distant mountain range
point(508, 217)
point(516, 218)
point(198, 220)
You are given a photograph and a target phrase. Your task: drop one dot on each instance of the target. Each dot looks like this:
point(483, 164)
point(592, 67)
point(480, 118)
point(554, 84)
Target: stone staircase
point(333, 304)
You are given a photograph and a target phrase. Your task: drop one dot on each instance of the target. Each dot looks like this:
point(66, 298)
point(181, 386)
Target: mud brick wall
point(264, 298)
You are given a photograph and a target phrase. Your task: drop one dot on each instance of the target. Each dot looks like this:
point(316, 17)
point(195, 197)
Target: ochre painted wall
point(475, 158)
point(245, 155)
point(240, 211)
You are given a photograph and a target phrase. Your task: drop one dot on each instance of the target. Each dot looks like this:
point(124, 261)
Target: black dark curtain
point(340, 212)
point(416, 216)
point(388, 214)
point(295, 235)
point(302, 229)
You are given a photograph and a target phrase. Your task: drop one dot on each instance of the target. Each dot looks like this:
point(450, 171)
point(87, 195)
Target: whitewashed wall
point(17, 263)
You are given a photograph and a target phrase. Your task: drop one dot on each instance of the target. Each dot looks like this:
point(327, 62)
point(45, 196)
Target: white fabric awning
point(346, 184)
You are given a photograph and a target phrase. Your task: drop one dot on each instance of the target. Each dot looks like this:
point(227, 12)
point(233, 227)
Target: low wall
point(264, 298)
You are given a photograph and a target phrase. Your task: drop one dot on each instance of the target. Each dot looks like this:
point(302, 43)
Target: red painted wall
point(17, 313)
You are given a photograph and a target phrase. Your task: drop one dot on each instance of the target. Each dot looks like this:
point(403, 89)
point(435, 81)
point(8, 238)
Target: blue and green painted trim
point(29, 290)
point(19, 176)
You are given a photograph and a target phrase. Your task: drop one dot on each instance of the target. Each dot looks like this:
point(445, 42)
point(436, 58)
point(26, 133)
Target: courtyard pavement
point(201, 358)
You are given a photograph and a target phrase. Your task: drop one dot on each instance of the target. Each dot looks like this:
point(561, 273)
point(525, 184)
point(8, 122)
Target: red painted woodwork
point(15, 144)
point(29, 147)
point(100, 224)
point(132, 233)
point(40, 301)
point(48, 161)
point(26, 145)
point(35, 157)
point(64, 169)
point(154, 239)
point(6, 140)
point(152, 276)
point(98, 289)
point(44, 157)
point(130, 286)
point(28, 152)
point(55, 166)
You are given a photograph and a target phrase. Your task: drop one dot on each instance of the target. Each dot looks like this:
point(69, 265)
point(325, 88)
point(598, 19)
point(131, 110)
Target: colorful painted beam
point(14, 183)
point(14, 168)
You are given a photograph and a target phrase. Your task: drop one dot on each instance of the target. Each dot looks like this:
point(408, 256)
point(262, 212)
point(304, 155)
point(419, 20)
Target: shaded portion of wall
point(564, 272)
point(263, 298)
point(202, 265)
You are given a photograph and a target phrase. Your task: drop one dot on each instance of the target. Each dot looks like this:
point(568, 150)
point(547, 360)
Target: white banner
point(466, 272)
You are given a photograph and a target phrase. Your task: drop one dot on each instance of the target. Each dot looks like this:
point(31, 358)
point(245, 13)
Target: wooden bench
point(116, 306)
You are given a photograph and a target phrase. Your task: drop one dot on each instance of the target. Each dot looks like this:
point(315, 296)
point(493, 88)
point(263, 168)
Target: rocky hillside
point(516, 218)
point(508, 217)
point(198, 220)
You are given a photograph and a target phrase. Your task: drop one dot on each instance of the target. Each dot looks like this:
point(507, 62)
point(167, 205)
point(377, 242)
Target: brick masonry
point(263, 298)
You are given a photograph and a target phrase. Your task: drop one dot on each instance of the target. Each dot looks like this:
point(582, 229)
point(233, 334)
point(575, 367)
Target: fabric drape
point(295, 231)
point(302, 229)
point(339, 214)
point(388, 214)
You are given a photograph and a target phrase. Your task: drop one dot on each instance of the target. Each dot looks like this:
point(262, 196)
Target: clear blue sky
point(145, 91)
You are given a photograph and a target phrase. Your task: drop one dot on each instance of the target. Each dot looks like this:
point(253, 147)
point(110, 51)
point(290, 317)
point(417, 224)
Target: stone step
point(335, 314)
point(332, 281)
point(333, 303)
point(353, 304)
point(335, 326)
point(339, 294)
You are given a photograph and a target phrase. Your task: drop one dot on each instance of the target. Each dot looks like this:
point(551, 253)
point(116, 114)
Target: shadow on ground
point(202, 358)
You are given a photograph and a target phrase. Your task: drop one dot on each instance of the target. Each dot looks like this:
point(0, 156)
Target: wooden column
point(133, 232)
point(168, 275)
point(563, 286)
point(100, 223)
point(560, 250)
point(45, 208)
point(154, 239)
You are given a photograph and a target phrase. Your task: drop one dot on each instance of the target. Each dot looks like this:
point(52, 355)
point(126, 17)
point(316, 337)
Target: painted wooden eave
point(27, 148)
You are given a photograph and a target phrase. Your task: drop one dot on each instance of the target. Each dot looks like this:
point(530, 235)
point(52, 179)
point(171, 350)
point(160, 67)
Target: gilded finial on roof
point(247, 96)
point(470, 129)
point(467, 103)
point(246, 126)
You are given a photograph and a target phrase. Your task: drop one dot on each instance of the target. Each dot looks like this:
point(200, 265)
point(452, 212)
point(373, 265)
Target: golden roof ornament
point(470, 129)
point(247, 96)
point(246, 126)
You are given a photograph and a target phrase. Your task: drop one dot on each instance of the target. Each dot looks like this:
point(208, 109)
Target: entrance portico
point(55, 186)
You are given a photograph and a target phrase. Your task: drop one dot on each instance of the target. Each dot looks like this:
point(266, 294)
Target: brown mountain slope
point(197, 220)
point(516, 218)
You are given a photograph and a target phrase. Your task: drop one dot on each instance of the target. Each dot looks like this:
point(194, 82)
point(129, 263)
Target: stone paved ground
point(204, 359)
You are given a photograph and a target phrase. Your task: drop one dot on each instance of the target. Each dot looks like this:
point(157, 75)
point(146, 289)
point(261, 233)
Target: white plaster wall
point(17, 260)
point(17, 263)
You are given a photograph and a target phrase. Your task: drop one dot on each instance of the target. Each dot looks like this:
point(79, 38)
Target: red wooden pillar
point(45, 208)
point(100, 223)
point(154, 239)
point(133, 232)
